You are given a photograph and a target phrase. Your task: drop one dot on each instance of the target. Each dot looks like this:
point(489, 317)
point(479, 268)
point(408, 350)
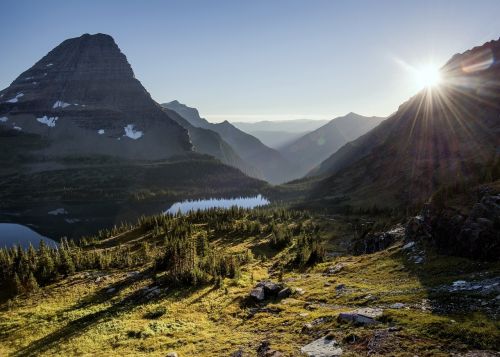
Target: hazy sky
point(255, 60)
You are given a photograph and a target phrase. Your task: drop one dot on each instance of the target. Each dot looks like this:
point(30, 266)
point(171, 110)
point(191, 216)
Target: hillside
point(274, 168)
point(237, 282)
point(311, 149)
point(442, 135)
point(206, 141)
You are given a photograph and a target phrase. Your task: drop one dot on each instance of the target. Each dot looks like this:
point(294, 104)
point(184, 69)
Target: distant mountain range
point(448, 135)
point(277, 134)
point(269, 162)
point(311, 149)
point(290, 126)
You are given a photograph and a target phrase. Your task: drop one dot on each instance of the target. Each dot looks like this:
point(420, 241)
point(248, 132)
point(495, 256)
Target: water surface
point(194, 205)
point(16, 234)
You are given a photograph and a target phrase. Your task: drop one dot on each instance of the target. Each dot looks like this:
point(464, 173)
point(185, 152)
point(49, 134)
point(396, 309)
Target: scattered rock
point(110, 290)
point(408, 245)
point(284, 293)
point(152, 292)
point(363, 317)
point(299, 291)
point(258, 293)
point(397, 305)
point(101, 278)
point(323, 347)
point(340, 287)
point(332, 270)
point(265, 350)
point(133, 274)
point(270, 288)
point(238, 353)
point(307, 327)
point(377, 241)
point(172, 354)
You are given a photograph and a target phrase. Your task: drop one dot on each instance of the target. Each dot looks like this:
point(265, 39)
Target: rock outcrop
point(377, 241)
point(475, 234)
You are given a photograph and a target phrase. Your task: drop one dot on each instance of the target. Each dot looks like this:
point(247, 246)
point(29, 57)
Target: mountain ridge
point(269, 162)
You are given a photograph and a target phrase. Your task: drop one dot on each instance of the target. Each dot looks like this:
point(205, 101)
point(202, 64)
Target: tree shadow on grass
point(79, 326)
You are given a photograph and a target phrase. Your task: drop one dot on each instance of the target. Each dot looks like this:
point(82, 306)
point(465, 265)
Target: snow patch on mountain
point(16, 98)
point(58, 211)
point(3, 119)
point(100, 131)
point(60, 104)
point(18, 128)
point(49, 121)
point(132, 133)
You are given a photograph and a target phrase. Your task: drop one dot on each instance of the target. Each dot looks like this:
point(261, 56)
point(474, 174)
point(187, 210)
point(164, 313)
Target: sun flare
point(428, 76)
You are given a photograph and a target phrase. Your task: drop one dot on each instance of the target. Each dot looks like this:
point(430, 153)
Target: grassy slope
point(78, 315)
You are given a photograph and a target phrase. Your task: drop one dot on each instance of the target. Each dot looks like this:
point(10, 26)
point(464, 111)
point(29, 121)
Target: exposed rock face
point(476, 235)
point(84, 98)
point(374, 242)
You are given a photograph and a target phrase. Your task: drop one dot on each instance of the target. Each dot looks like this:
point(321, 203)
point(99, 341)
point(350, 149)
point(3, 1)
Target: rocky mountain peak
point(84, 93)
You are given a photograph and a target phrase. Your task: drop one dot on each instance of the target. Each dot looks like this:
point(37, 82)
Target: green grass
point(76, 316)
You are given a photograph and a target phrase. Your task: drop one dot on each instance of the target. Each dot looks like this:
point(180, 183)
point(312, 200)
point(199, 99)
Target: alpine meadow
point(250, 178)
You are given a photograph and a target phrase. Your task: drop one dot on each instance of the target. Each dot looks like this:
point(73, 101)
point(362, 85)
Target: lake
point(17, 234)
point(194, 205)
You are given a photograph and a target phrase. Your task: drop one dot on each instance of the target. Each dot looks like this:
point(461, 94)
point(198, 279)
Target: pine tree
point(32, 284)
point(17, 286)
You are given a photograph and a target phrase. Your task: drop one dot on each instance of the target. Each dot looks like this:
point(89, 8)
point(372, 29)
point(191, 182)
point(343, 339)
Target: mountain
point(277, 134)
point(269, 162)
point(83, 98)
point(209, 142)
point(290, 126)
point(79, 134)
point(311, 149)
point(276, 139)
point(448, 135)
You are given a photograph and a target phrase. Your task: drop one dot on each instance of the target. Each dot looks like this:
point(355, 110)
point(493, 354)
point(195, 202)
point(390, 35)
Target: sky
point(257, 60)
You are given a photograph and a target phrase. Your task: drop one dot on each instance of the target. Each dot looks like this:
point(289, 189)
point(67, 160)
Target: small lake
point(194, 205)
point(16, 234)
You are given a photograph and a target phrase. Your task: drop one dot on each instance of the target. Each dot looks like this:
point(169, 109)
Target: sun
point(428, 76)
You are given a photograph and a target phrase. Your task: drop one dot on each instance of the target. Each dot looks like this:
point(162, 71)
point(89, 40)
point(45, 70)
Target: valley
point(131, 225)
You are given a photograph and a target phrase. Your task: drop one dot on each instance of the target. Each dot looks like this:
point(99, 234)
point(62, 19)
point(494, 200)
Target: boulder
point(397, 305)
point(323, 347)
point(265, 350)
point(238, 353)
point(172, 354)
point(332, 270)
point(377, 241)
point(257, 293)
point(270, 288)
point(284, 293)
point(366, 316)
